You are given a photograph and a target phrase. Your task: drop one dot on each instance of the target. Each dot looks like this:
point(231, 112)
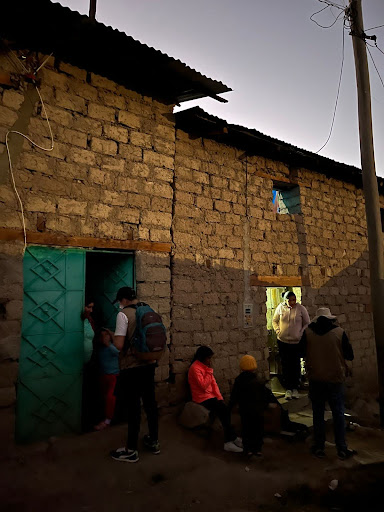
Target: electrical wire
point(374, 64)
point(43, 64)
point(329, 5)
point(10, 161)
point(337, 96)
point(17, 62)
point(380, 50)
point(372, 28)
point(332, 4)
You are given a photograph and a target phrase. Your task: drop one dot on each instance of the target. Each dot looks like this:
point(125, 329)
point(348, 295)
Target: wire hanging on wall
point(16, 132)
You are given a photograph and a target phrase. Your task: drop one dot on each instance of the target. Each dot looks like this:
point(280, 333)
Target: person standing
point(136, 380)
point(326, 347)
point(253, 398)
point(289, 321)
point(108, 356)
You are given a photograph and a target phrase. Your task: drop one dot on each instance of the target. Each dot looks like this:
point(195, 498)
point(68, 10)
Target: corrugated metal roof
point(73, 38)
point(198, 122)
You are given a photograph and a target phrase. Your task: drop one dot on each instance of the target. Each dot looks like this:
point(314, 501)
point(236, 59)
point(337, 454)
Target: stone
point(194, 415)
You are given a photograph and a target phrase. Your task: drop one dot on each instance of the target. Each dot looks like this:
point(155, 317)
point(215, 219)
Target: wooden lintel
point(276, 281)
point(283, 179)
point(9, 235)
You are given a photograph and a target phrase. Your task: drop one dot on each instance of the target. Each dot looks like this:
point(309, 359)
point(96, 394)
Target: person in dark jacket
point(326, 349)
point(253, 397)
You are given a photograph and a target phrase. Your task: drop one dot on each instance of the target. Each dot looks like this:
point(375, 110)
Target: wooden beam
point(276, 281)
point(36, 238)
point(5, 78)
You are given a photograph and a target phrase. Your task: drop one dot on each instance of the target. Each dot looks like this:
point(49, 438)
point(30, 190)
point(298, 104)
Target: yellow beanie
point(248, 363)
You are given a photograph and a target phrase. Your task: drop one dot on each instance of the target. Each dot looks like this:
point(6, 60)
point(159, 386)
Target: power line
point(337, 95)
point(372, 28)
point(332, 4)
point(380, 50)
point(328, 6)
point(377, 71)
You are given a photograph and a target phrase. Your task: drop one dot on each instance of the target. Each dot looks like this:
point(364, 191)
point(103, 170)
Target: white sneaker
point(238, 442)
point(232, 447)
point(288, 394)
point(295, 394)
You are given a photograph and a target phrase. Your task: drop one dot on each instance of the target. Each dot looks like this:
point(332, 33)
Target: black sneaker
point(318, 452)
point(346, 454)
point(125, 455)
point(152, 446)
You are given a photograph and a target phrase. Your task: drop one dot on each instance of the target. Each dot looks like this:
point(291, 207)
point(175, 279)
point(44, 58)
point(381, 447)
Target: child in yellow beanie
point(253, 397)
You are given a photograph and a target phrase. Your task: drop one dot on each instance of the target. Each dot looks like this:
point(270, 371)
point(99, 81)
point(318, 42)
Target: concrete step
point(296, 404)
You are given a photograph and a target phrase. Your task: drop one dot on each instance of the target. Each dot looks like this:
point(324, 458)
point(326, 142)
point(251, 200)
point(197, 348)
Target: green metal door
point(106, 273)
point(51, 356)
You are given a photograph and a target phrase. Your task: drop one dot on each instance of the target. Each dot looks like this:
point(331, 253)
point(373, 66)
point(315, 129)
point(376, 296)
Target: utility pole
point(92, 10)
point(371, 193)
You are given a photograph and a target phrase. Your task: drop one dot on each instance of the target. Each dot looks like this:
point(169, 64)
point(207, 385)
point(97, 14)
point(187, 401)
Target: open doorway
point(274, 298)
point(106, 272)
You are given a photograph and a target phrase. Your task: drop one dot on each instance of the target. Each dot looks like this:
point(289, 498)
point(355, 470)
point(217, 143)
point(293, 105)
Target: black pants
point(290, 364)
point(320, 393)
point(139, 384)
point(219, 408)
point(252, 430)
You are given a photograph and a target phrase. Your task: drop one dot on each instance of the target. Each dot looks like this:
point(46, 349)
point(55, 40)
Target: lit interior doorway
point(274, 298)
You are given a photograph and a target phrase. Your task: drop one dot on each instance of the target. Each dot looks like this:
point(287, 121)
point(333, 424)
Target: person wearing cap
point(326, 349)
point(253, 397)
point(289, 321)
point(136, 381)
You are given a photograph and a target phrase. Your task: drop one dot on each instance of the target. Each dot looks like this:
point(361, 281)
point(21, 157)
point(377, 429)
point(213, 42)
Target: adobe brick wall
point(110, 176)
point(119, 170)
point(326, 244)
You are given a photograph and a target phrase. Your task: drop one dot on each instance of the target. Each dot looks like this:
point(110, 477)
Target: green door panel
point(52, 311)
point(106, 273)
point(47, 355)
point(52, 344)
point(48, 406)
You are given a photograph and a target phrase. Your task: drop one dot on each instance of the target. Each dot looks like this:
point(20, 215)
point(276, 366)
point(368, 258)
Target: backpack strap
point(135, 306)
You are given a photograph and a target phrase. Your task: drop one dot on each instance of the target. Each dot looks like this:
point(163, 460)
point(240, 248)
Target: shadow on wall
point(206, 307)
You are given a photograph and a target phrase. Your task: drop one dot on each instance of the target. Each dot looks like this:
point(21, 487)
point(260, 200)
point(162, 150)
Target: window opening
point(286, 198)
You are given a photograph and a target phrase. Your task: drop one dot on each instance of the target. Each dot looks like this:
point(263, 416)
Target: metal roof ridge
point(159, 52)
point(198, 111)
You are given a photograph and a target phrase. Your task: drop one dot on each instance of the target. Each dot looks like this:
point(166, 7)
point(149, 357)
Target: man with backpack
point(141, 338)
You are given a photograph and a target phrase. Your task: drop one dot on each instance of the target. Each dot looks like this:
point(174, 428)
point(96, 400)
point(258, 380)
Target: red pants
point(108, 383)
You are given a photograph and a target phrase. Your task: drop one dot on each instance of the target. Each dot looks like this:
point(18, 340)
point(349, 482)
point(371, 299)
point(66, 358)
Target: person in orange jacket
point(205, 391)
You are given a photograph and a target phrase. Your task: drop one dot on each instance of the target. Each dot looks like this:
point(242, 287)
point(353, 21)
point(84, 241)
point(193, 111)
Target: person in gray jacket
point(289, 321)
point(326, 347)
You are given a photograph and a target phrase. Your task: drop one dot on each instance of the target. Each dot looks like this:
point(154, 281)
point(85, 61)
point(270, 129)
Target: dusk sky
point(282, 67)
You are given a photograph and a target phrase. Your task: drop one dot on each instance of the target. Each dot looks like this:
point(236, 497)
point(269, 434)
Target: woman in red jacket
point(205, 391)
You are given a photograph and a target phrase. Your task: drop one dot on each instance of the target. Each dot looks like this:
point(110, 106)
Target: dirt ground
point(192, 473)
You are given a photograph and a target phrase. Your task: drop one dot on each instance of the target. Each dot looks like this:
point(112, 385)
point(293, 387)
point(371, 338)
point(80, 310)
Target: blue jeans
point(320, 393)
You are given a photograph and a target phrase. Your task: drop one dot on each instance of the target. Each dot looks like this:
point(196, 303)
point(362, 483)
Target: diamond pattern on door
point(104, 279)
point(52, 345)
point(45, 312)
point(51, 406)
point(46, 270)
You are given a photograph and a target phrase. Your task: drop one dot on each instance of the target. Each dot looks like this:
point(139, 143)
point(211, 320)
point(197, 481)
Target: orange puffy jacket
point(202, 383)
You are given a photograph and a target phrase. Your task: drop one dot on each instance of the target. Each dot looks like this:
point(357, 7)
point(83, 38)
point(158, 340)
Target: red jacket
point(202, 383)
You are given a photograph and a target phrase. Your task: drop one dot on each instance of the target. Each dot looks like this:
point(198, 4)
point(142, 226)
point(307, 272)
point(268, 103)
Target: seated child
point(109, 367)
point(253, 398)
point(205, 391)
